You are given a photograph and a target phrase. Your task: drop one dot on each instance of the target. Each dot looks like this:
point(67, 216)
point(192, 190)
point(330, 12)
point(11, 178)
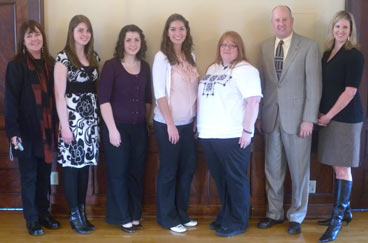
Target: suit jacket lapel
point(269, 51)
point(293, 50)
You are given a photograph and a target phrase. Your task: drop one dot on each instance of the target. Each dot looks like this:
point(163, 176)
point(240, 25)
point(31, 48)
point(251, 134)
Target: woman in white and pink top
point(175, 83)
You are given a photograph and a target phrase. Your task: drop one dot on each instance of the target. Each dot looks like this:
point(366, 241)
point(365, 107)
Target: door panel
point(12, 14)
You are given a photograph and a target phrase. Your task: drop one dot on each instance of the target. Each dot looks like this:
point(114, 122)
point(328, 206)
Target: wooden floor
point(12, 230)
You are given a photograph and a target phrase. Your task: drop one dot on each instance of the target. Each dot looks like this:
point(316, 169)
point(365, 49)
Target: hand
point(324, 120)
point(15, 140)
point(67, 135)
point(115, 138)
point(195, 126)
point(259, 126)
point(244, 140)
point(149, 128)
point(306, 129)
point(173, 133)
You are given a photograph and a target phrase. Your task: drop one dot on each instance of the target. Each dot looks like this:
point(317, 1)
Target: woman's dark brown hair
point(167, 46)
point(70, 42)
point(119, 48)
point(32, 26)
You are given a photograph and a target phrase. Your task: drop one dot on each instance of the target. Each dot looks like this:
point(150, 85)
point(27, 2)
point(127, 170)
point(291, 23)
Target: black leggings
point(75, 185)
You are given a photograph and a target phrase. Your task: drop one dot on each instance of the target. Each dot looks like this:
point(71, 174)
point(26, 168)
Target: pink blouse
point(183, 92)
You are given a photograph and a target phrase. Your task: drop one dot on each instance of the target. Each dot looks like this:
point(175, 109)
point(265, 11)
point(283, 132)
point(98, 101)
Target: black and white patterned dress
point(82, 108)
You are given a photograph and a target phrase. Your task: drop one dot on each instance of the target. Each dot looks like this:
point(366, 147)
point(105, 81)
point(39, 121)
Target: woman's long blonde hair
point(352, 40)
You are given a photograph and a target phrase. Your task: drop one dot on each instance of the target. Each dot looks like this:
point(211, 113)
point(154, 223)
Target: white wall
point(208, 20)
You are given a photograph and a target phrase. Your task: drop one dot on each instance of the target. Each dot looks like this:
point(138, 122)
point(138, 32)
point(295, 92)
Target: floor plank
point(12, 230)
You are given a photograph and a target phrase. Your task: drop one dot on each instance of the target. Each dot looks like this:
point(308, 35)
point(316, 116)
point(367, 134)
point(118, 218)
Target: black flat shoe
point(215, 225)
point(128, 229)
point(268, 223)
point(49, 222)
point(34, 228)
point(226, 232)
point(138, 226)
point(295, 228)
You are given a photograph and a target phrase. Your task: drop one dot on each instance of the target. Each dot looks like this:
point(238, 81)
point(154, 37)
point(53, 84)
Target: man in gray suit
point(292, 87)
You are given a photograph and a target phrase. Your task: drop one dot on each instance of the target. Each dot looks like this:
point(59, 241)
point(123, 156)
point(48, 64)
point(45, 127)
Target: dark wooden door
point(360, 175)
point(12, 14)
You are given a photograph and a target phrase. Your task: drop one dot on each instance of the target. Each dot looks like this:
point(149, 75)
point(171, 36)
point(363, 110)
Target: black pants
point(35, 181)
point(228, 164)
point(75, 185)
point(177, 166)
point(125, 173)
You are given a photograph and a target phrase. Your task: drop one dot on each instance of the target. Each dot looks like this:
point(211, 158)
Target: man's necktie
point(279, 59)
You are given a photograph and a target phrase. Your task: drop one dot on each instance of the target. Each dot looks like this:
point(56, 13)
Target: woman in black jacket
point(29, 109)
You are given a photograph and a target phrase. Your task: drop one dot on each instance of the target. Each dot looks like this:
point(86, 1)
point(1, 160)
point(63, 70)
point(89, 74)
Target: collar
point(286, 40)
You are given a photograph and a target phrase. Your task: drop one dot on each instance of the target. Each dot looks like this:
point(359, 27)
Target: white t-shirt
point(221, 96)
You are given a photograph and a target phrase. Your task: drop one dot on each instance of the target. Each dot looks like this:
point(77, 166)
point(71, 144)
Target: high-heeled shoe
point(348, 217)
point(82, 210)
point(343, 202)
point(77, 223)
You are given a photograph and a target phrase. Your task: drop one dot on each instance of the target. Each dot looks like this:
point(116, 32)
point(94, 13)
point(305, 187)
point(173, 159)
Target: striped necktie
point(279, 59)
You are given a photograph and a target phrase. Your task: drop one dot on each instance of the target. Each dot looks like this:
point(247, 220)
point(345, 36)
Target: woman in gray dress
point(341, 116)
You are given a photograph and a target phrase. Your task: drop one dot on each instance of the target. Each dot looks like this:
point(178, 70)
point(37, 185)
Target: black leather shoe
point(138, 226)
point(226, 232)
point(128, 229)
point(49, 222)
point(294, 228)
point(215, 225)
point(268, 223)
point(34, 228)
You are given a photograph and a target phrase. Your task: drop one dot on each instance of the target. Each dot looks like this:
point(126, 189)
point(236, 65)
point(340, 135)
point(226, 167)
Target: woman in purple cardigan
point(125, 100)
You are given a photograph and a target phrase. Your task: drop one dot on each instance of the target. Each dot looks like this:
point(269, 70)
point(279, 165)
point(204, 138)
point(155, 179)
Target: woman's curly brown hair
point(119, 47)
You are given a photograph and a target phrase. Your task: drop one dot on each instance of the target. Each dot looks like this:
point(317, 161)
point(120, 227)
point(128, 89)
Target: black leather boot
point(82, 210)
point(77, 223)
point(348, 216)
point(343, 202)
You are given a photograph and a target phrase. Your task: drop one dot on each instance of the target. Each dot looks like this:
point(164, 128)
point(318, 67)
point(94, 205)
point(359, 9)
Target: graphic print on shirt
point(211, 81)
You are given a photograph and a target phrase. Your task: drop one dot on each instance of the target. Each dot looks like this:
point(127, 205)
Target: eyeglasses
point(230, 46)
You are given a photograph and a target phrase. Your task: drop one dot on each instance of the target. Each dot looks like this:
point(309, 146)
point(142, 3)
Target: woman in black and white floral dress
point(75, 93)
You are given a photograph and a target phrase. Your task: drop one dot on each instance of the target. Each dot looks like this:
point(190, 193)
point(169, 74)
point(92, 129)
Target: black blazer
point(21, 109)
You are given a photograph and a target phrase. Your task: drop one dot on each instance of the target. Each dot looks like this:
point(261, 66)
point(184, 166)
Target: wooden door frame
point(359, 9)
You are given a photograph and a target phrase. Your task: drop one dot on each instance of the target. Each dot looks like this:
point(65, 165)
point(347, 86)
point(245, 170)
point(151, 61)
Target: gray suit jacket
point(295, 98)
